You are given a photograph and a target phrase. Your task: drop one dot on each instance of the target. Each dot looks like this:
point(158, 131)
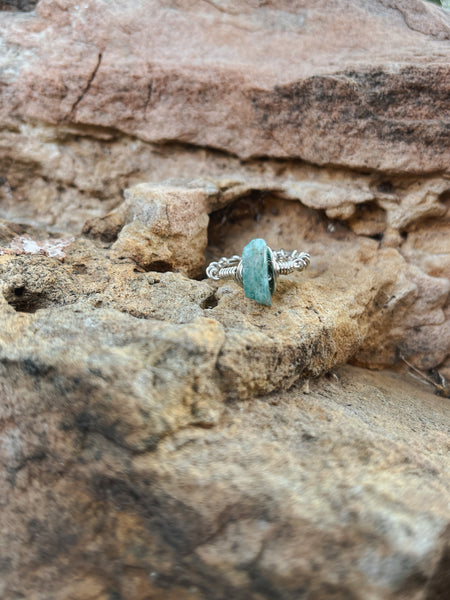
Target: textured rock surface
point(358, 299)
point(161, 227)
point(318, 495)
point(351, 100)
point(142, 453)
point(398, 305)
point(316, 321)
point(90, 103)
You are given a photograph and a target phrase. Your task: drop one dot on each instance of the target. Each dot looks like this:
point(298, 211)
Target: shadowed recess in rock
point(282, 223)
point(23, 300)
point(18, 5)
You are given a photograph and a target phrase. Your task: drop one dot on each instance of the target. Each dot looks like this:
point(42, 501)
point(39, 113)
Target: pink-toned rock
point(317, 81)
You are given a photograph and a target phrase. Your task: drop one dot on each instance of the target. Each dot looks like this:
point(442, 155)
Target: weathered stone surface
point(381, 304)
point(412, 294)
point(314, 324)
point(318, 495)
point(394, 312)
point(160, 227)
point(131, 381)
point(137, 461)
point(414, 309)
point(364, 104)
point(75, 130)
point(367, 302)
point(166, 223)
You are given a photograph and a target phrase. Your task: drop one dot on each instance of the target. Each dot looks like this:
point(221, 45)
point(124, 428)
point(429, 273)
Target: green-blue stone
point(257, 272)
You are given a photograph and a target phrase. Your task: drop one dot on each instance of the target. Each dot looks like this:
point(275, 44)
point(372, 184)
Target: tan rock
point(357, 300)
point(338, 493)
point(164, 228)
point(428, 245)
point(419, 202)
point(407, 300)
point(142, 381)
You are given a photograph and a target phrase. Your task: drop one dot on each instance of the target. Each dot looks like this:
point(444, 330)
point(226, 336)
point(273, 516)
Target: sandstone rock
point(383, 300)
point(364, 104)
point(138, 461)
point(418, 203)
point(410, 301)
point(321, 494)
point(428, 244)
point(314, 324)
point(357, 300)
point(164, 228)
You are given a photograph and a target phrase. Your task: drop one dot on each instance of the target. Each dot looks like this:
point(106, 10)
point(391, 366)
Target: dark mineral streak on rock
point(369, 103)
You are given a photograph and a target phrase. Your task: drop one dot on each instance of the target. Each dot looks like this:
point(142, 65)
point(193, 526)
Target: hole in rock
point(369, 219)
point(19, 291)
point(210, 302)
point(445, 197)
point(24, 300)
point(377, 237)
point(385, 187)
point(18, 5)
point(79, 269)
point(159, 266)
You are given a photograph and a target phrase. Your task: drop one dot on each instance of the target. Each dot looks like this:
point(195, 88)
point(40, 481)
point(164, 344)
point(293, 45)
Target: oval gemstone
point(257, 272)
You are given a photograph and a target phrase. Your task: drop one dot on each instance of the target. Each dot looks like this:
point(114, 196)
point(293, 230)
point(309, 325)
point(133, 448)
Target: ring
point(258, 269)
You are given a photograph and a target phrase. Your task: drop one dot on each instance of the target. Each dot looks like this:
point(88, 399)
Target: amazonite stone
point(257, 272)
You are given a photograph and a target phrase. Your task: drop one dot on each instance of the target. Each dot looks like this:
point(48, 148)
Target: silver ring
point(258, 269)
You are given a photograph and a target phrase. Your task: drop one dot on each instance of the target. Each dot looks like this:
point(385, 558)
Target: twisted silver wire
point(287, 262)
point(219, 270)
point(283, 263)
